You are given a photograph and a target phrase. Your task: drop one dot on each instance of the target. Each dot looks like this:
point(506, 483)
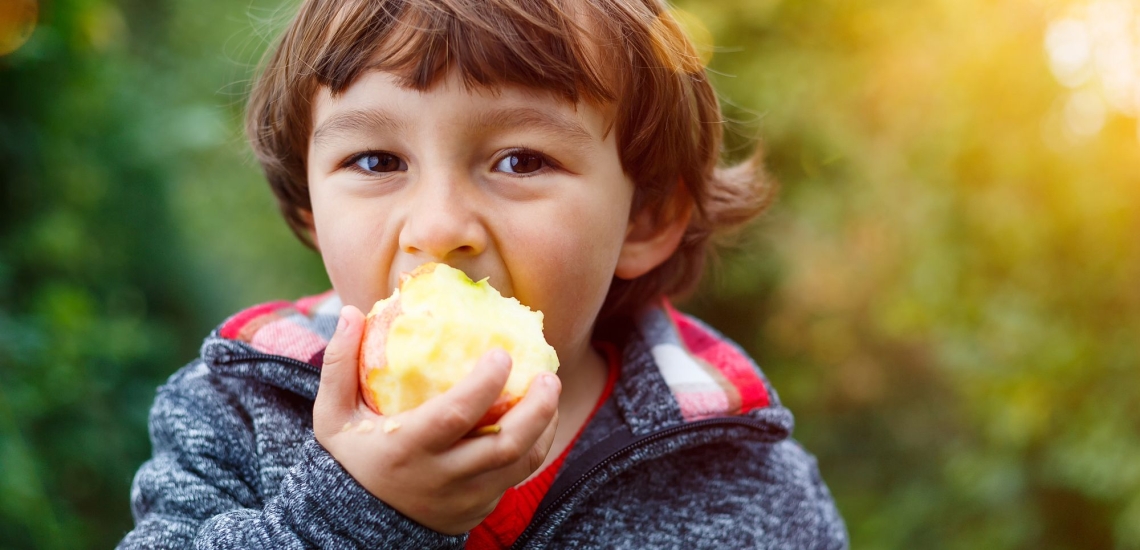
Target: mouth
point(499, 282)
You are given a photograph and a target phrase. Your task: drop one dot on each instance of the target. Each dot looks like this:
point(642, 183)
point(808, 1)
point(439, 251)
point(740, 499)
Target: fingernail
point(499, 358)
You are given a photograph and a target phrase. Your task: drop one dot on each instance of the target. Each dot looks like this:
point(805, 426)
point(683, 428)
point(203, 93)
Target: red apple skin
point(373, 347)
point(498, 409)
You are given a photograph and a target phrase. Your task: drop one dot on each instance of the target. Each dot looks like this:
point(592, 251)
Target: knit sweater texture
point(692, 450)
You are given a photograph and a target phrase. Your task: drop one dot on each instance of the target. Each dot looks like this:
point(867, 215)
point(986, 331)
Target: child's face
point(522, 187)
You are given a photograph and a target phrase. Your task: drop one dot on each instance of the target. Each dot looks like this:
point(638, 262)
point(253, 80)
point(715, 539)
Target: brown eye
point(379, 162)
point(521, 163)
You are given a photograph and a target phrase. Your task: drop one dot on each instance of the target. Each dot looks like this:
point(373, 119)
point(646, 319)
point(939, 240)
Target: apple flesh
point(432, 330)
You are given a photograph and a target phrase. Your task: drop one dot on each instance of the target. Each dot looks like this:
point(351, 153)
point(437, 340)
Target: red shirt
point(515, 510)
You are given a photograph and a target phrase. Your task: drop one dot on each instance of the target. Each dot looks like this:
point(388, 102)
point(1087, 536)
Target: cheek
point(568, 267)
point(352, 247)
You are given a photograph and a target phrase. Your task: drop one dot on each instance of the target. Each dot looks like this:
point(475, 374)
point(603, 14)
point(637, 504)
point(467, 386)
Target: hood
point(675, 369)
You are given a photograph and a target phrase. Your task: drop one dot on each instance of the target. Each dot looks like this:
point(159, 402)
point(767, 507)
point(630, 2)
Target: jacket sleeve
point(198, 490)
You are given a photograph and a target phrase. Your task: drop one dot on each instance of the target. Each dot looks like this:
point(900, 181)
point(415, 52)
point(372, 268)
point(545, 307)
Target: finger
point(539, 452)
point(444, 419)
point(527, 432)
point(339, 390)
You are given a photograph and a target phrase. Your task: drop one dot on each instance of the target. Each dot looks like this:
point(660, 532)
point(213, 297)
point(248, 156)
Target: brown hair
point(629, 54)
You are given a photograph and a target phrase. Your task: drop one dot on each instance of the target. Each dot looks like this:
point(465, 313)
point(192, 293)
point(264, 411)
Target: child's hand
point(419, 462)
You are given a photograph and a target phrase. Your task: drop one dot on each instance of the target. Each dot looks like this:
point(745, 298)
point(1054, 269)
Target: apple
point(431, 331)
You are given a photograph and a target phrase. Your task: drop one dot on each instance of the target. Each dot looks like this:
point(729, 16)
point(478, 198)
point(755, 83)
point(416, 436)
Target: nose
point(443, 223)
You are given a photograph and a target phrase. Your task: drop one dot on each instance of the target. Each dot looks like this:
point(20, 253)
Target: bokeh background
point(947, 292)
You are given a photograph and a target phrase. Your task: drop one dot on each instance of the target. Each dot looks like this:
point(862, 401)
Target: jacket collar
point(675, 369)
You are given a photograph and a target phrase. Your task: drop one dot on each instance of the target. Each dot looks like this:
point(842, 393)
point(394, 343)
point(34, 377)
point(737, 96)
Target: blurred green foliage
point(946, 292)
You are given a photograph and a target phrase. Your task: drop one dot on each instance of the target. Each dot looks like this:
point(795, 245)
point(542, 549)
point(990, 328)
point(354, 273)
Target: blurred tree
point(945, 293)
point(120, 186)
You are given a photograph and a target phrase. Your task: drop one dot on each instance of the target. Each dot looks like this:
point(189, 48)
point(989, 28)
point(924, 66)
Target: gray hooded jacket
point(692, 450)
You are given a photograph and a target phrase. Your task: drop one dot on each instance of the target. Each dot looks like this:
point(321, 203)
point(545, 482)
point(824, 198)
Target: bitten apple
point(431, 331)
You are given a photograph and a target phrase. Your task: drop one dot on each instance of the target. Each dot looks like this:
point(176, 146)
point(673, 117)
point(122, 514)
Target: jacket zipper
point(637, 444)
point(227, 359)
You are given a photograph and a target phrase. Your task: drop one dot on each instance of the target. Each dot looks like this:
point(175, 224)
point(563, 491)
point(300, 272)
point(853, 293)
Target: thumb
point(339, 389)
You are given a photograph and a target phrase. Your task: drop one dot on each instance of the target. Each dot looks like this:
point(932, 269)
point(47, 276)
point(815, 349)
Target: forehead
point(381, 101)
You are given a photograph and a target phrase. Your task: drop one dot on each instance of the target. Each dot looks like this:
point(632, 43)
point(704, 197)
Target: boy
point(567, 151)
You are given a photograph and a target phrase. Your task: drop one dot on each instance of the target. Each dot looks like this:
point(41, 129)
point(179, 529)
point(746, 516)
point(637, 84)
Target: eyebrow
point(355, 120)
point(549, 123)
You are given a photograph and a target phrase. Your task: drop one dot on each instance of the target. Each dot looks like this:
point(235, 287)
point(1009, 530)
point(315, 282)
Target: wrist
point(348, 507)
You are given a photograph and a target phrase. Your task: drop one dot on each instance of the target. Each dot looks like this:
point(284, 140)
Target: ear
point(652, 237)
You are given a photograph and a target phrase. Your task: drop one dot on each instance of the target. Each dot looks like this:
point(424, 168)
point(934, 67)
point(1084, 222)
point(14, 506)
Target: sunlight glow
point(1094, 50)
